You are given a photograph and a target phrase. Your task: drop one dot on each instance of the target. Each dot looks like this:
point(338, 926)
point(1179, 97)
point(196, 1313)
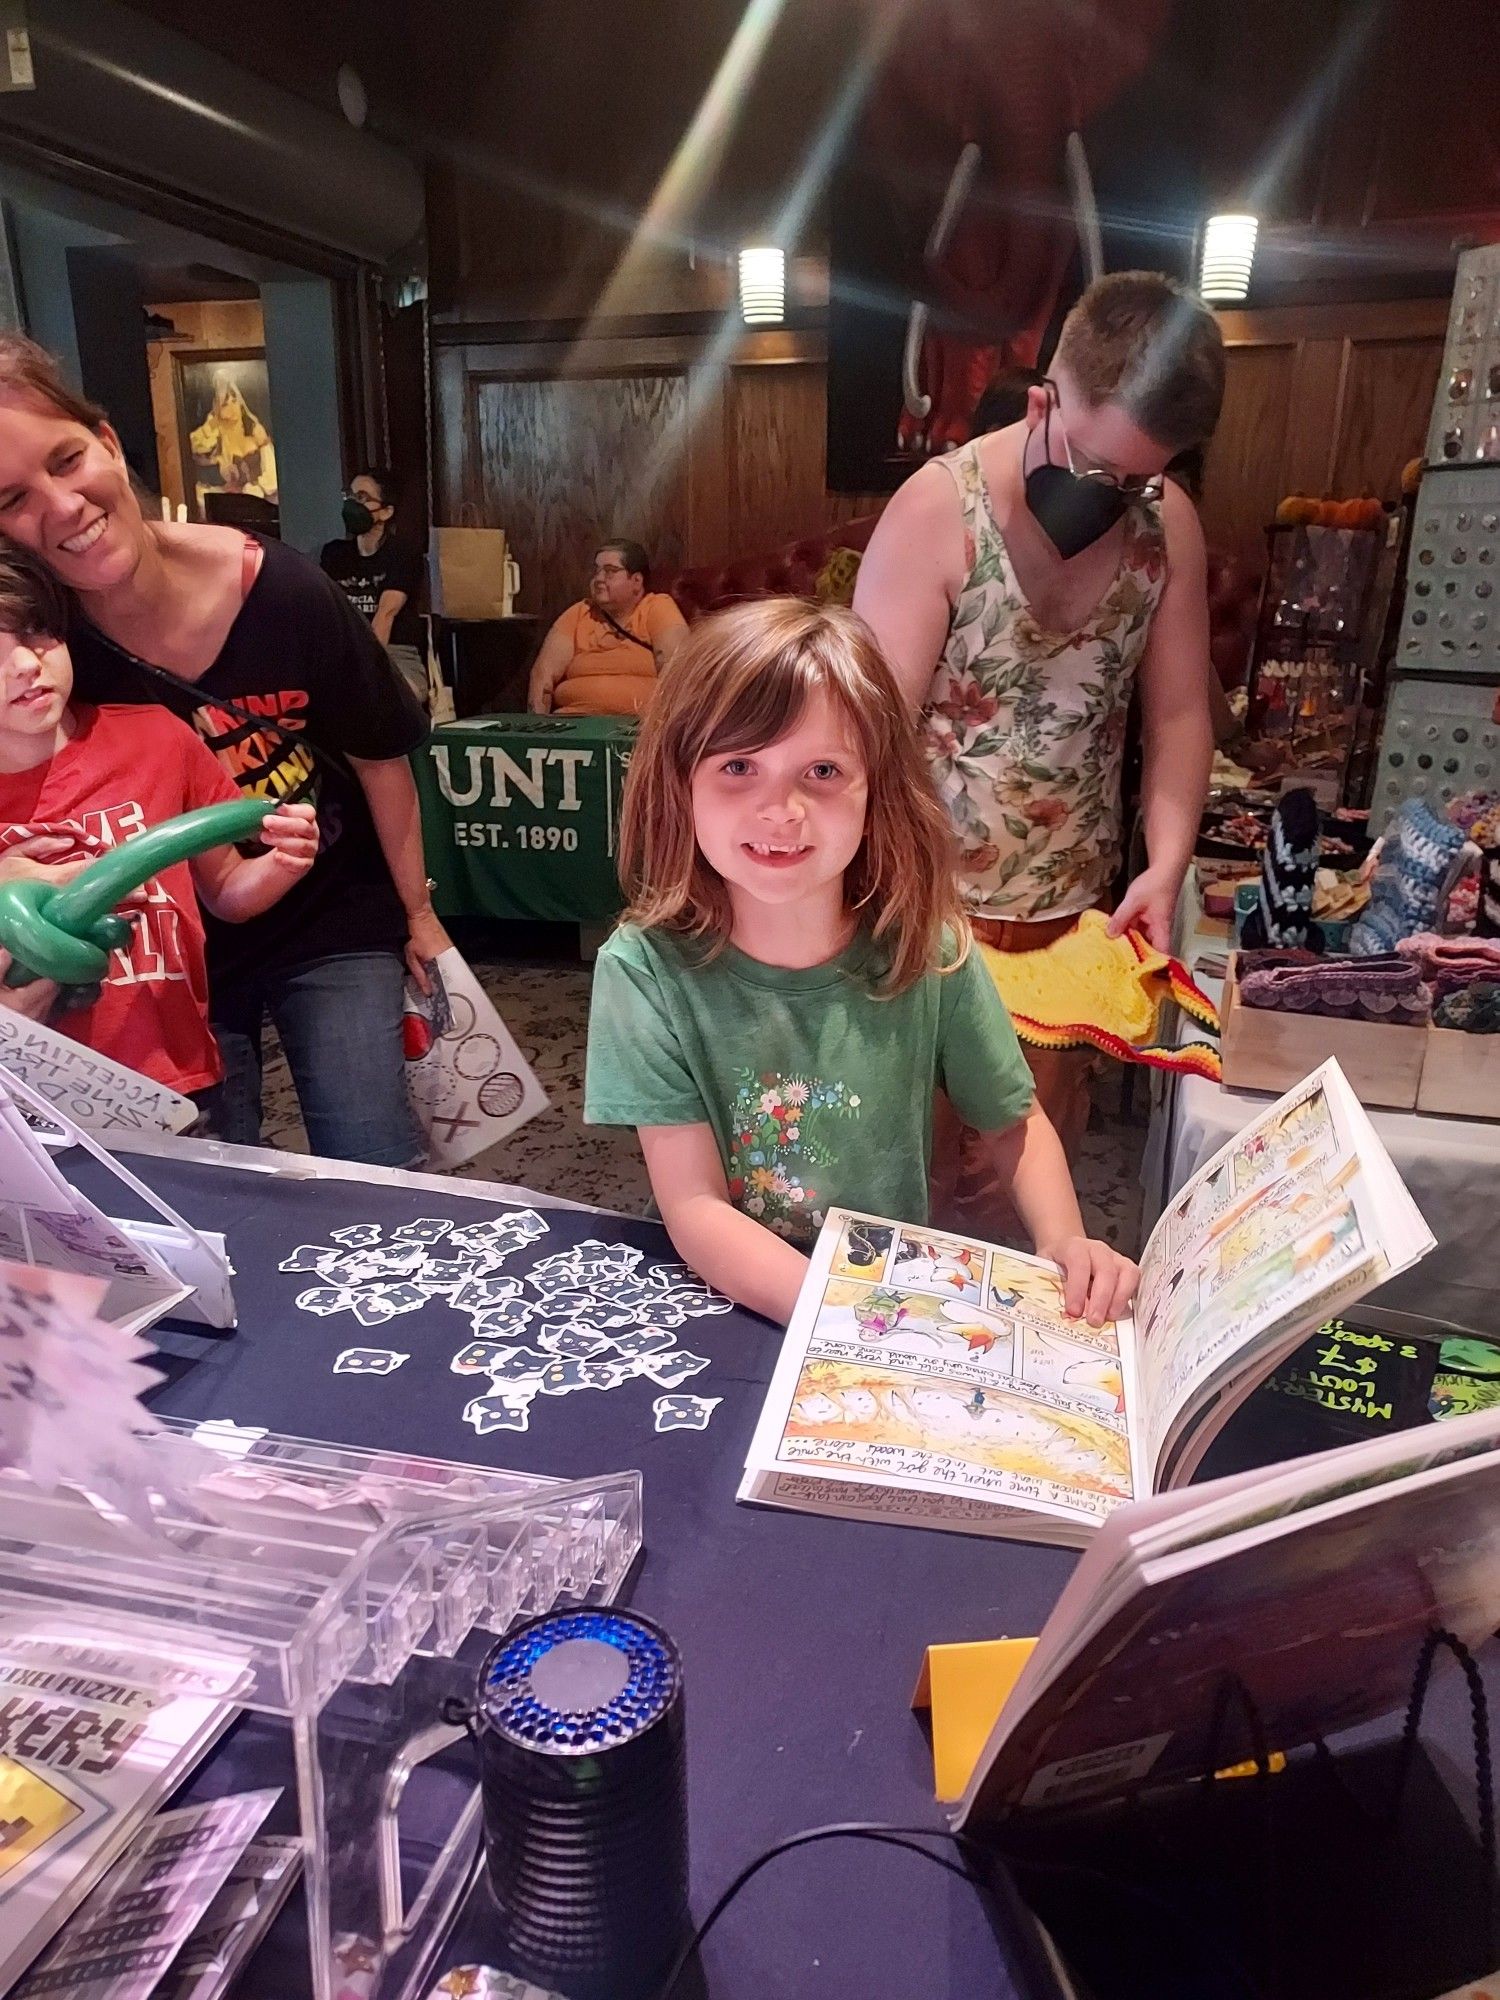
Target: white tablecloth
point(1450, 1165)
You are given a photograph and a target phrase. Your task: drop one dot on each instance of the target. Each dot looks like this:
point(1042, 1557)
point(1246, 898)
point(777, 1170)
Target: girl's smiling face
point(782, 823)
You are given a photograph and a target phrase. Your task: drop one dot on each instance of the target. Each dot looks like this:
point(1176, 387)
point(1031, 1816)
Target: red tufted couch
point(1233, 591)
point(790, 572)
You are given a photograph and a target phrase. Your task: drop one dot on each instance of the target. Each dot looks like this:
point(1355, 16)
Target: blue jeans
point(339, 1020)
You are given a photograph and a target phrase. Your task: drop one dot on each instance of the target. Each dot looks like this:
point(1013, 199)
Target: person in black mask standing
point(380, 573)
point(1022, 587)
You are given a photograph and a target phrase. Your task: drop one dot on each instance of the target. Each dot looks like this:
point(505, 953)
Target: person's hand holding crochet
point(1148, 906)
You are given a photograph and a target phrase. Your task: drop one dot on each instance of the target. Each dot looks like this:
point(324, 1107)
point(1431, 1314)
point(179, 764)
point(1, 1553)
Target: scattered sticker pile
point(584, 1318)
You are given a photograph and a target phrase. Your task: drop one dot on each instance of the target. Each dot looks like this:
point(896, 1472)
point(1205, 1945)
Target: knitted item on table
point(1407, 893)
point(1474, 1008)
point(1454, 961)
point(1287, 871)
point(1387, 989)
point(1090, 990)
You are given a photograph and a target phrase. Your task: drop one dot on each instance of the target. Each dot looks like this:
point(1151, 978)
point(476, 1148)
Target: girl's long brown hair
point(739, 681)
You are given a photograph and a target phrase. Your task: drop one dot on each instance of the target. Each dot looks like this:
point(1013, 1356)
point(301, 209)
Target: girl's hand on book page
point(1098, 1283)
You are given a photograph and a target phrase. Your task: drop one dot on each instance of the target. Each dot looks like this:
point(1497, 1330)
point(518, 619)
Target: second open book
point(929, 1379)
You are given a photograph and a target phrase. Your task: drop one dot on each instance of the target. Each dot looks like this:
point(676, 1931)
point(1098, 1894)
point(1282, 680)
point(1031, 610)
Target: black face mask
point(1071, 512)
point(357, 517)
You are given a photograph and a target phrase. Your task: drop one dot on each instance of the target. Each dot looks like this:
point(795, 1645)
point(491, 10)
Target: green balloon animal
point(66, 931)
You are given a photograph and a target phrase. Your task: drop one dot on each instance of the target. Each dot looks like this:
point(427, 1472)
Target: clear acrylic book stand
point(353, 1593)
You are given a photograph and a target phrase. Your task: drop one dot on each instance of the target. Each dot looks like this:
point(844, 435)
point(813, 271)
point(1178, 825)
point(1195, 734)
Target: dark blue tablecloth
point(801, 1637)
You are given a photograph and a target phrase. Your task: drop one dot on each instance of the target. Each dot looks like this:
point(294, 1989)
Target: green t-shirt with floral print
point(819, 1093)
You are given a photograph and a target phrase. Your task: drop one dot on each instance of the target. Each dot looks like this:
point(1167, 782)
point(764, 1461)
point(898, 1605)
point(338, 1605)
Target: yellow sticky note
point(965, 1686)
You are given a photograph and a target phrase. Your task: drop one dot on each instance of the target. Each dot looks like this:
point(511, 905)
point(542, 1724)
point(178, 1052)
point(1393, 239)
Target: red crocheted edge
point(1187, 1059)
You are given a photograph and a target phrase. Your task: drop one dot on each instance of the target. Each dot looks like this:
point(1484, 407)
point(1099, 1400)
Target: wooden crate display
point(1266, 1050)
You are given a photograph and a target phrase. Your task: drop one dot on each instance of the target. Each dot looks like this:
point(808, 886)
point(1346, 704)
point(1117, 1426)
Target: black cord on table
point(910, 1837)
point(888, 1836)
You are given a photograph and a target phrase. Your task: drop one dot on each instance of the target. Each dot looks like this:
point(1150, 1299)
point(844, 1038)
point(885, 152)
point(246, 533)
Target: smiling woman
point(287, 684)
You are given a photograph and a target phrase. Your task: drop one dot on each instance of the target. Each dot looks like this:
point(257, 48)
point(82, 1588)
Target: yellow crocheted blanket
point(1089, 990)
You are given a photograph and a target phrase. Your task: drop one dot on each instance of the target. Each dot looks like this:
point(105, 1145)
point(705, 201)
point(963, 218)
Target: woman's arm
point(735, 1254)
point(549, 666)
point(236, 889)
point(390, 603)
point(1097, 1281)
point(392, 792)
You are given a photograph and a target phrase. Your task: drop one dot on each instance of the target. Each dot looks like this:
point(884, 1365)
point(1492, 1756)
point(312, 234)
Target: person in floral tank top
point(1024, 588)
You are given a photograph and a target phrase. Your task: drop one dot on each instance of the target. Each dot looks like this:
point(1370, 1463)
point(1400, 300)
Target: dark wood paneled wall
point(702, 456)
point(1318, 399)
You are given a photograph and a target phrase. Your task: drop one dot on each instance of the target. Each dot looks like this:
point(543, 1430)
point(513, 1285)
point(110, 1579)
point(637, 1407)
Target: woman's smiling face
point(65, 494)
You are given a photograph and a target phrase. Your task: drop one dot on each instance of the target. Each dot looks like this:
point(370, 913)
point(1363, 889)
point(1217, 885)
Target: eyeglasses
point(609, 569)
point(1134, 485)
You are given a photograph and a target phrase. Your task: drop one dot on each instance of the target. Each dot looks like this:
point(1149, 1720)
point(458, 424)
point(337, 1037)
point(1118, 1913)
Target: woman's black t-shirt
point(310, 678)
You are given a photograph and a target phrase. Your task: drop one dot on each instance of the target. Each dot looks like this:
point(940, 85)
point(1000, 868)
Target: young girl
point(792, 980)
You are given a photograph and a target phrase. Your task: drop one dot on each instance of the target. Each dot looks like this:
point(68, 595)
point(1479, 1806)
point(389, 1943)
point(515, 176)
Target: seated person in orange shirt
point(603, 654)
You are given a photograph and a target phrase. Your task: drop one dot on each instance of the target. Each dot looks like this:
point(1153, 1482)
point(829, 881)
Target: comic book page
point(1299, 1214)
point(936, 1380)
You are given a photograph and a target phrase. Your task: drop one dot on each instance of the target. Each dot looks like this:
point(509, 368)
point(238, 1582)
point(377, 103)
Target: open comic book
point(1315, 1582)
point(936, 1381)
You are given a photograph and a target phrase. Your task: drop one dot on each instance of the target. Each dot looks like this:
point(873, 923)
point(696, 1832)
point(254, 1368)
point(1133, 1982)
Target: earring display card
point(1441, 739)
point(1451, 622)
point(1465, 424)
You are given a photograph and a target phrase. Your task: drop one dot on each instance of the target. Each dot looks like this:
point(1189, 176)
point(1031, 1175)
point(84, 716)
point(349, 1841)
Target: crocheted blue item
point(1405, 896)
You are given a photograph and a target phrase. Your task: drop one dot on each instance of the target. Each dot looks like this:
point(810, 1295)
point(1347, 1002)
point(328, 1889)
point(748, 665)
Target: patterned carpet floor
point(545, 1003)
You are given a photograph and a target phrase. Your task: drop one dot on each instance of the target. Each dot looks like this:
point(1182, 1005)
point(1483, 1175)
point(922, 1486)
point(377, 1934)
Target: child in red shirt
point(88, 778)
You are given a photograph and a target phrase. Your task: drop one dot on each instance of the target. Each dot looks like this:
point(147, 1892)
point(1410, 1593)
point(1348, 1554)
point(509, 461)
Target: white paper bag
point(470, 1085)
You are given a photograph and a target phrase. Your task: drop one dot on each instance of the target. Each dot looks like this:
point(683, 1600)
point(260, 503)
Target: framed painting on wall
point(223, 418)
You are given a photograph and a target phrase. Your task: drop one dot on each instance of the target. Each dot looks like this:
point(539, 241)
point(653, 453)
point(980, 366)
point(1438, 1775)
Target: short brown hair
point(1146, 342)
point(739, 681)
point(31, 598)
point(631, 554)
point(30, 372)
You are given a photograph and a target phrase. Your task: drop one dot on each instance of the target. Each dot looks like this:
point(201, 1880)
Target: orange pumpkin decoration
point(1411, 475)
point(1296, 511)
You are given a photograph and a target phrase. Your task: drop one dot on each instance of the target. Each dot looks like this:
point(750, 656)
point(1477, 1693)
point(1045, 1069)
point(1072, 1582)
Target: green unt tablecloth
point(519, 815)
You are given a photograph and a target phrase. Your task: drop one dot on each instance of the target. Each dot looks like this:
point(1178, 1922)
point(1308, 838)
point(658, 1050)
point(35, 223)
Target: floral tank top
point(1025, 729)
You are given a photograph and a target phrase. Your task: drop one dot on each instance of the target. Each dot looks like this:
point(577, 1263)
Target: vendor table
point(519, 815)
point(1450, 1165)
point(801, 1637)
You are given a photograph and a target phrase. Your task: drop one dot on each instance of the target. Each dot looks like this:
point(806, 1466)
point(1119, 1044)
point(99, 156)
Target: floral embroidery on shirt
point(1025, 729)
point(781, 1136)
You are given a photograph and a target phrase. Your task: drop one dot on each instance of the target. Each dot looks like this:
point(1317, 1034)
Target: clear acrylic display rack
point(353, 1593)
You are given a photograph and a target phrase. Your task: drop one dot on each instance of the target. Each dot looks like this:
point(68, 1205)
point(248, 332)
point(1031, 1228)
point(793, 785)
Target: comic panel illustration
point(860, 1415)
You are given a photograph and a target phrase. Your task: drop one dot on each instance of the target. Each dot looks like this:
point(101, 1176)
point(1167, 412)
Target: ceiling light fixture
point(1228, 255)
point(763, 286)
